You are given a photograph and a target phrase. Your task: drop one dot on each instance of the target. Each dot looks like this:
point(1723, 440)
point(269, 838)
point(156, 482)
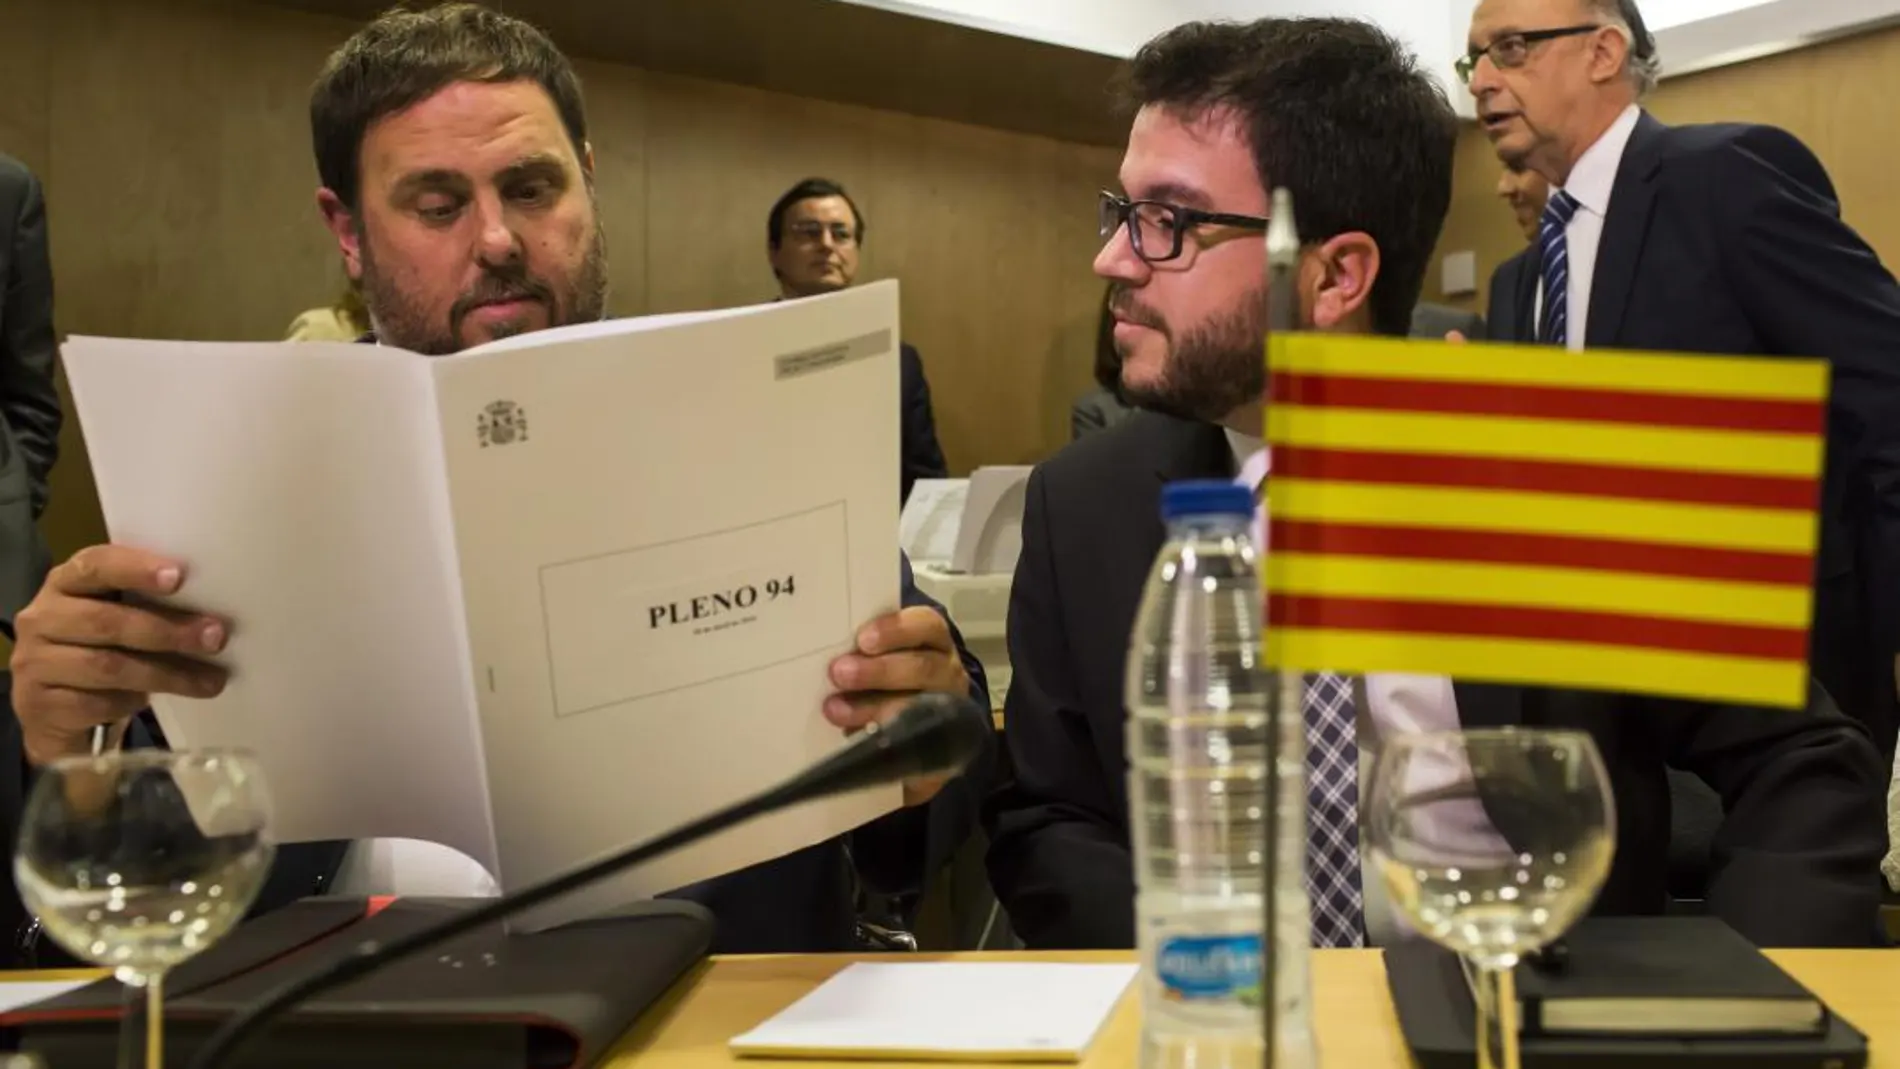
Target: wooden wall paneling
point(717, 157)
point(617, 129)
point(990, 234)
point(826, 50)
point(25, 80)
point(181, 174)
point(184, 133)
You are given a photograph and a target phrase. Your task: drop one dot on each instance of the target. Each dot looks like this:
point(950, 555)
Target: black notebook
point(1684, 976)
point(557, 999)
point(1438, 1018)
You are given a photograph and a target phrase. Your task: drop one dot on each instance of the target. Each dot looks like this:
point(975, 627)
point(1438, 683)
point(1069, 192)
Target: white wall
point(1111, 27)
point(1119, 27)
point(1690, 34)
point(1749, 29)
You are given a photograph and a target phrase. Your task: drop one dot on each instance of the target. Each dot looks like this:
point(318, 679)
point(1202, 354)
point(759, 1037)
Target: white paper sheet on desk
point(947, 1011)
point(19, 994)
point(537, 601)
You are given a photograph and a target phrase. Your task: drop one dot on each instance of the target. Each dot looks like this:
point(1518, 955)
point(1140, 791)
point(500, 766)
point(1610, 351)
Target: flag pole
point(1283, 253)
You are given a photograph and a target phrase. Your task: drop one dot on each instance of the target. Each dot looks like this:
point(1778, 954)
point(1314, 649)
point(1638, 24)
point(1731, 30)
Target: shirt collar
point(1252, 458)
point(1595, 173)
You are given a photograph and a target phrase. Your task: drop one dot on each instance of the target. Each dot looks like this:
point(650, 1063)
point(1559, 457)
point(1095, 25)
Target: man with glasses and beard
point(458, 180)
point(1341, 116)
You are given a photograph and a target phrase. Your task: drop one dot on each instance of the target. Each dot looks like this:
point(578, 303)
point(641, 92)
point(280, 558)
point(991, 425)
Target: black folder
point(557, 999)
point(1439, 1019)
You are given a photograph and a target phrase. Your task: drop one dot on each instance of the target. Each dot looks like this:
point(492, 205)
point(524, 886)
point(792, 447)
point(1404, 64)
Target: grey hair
point(1643, 71)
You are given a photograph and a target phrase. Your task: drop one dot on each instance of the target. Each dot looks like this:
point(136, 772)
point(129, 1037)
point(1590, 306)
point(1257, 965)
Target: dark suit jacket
point(1728, 239)
point(923, 457)
point(800, 903)
point(1507, 321)
point(1795, 861)
point(1094, 411)
point(29, 400)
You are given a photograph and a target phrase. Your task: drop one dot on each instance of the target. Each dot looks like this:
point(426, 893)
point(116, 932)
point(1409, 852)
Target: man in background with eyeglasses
point(1340, 115)
point(812, 239)
point(1720, 238)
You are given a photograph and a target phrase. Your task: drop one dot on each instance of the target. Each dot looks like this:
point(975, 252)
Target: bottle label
point(1210, 968)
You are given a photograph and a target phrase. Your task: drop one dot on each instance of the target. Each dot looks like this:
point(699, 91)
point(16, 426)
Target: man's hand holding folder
point(89, 654)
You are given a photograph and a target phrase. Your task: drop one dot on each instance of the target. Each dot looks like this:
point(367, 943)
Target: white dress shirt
point(1394, 704)
point(1590, 184)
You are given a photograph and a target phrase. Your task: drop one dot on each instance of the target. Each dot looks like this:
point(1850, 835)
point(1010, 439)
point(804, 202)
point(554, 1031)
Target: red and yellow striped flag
point(1618, 521)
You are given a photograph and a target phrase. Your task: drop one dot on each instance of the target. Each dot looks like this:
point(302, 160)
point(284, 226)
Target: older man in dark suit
point(1369, 169)
point(1722, 239)
point(29, 399)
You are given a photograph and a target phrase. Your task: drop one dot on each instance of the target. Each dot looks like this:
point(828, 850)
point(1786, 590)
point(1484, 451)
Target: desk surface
point(1357, 1026)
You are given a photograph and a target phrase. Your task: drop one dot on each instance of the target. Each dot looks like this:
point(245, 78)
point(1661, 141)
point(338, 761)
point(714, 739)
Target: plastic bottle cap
point(1205, 497)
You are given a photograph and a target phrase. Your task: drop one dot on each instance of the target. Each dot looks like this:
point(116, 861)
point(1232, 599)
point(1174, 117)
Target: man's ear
point(587, 159)
point(1337, 278)
point(1607, 56)
point(342, 223)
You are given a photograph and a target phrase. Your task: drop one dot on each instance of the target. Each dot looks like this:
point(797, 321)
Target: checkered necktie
point(1332, 812)
point(1332, 785)
point(1555, 250)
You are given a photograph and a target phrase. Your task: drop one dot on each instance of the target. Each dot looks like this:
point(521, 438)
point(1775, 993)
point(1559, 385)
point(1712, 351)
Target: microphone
point(936, 734)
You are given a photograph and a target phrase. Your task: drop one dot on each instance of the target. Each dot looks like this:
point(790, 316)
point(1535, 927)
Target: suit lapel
point(1191, 450)
point(1179, 449)
point(1529, 267)
point(1631, 200)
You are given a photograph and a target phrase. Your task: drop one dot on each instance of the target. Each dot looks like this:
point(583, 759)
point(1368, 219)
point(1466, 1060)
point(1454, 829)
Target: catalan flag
point(1615, 521)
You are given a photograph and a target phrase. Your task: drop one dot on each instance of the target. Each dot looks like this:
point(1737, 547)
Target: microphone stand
point(1283, 252)
point(932, 742)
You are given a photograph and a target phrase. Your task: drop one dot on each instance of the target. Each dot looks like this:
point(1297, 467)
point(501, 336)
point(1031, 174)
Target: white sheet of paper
point(19, 994)
point(611, 618)
point(1006, 1011)
point(655, 590)
point(303, 489)
point(928, 528)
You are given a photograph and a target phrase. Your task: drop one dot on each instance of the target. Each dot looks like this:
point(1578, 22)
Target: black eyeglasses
point(1156, 228)
point(1513, 49)
point(807, 232)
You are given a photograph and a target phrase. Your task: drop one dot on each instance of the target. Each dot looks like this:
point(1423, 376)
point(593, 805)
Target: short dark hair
point(405, 57)
point(1336, 111)
point(809, 189)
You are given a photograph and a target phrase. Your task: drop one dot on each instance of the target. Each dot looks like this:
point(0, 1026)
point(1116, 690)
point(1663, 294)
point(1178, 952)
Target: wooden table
point(1357, 1028)
point(1354, 1016)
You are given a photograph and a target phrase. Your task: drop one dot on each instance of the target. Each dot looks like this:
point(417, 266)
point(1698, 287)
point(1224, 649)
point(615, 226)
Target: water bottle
point(1197, 745)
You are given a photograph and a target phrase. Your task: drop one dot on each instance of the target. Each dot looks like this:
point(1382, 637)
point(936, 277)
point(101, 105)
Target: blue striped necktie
point(1558, 211)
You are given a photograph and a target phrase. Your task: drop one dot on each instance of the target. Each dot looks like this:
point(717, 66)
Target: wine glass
point(141, 859)
point(1492, 843)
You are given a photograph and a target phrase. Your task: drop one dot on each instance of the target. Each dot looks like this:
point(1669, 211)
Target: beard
point(1210, 370)
point(400, 321)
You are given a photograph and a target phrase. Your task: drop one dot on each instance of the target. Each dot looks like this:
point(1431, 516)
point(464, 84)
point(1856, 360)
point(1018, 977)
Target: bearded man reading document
point(459, 182)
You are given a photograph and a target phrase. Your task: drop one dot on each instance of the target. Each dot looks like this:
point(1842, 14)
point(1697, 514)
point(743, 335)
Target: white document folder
point(535, 601)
